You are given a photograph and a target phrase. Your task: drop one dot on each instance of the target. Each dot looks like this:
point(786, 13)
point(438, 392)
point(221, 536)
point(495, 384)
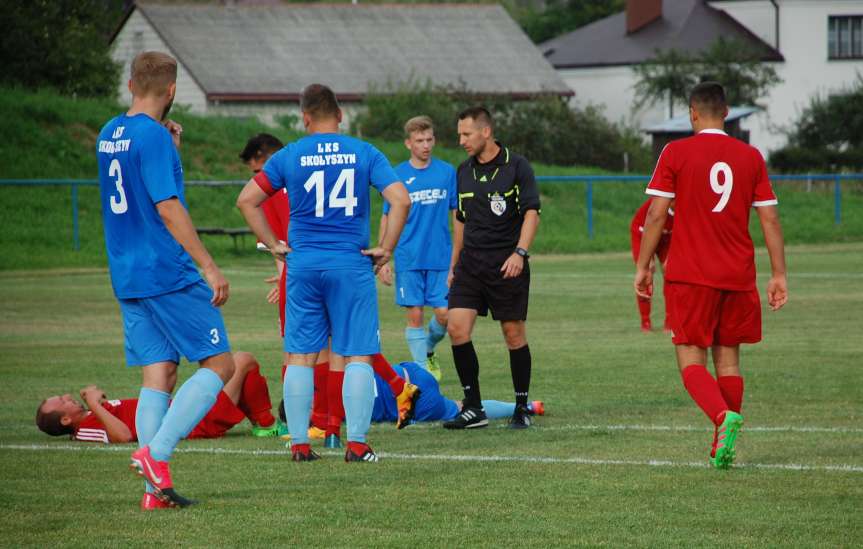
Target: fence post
point(75, 217)
point(590, 209)
point(837, 200)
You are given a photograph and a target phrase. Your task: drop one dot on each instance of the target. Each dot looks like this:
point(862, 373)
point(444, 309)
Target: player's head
point(419, 137)
point(58, 415)
point(154, 76)
point(707, 106)
point(475, 129)
point(318, 104)
point(258, 149)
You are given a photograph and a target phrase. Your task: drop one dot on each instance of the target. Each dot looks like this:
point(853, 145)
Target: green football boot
point(726, 436)
point(433, 366)
point(265, 432)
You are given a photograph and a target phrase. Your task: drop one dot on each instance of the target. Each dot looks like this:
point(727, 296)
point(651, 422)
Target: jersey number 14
point(344, 182)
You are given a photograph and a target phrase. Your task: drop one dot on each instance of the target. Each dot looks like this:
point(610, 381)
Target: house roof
point(686, 25)
point(681, 124)
point(270, 52)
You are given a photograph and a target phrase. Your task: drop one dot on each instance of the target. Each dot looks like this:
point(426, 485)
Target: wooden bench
point(239, 232)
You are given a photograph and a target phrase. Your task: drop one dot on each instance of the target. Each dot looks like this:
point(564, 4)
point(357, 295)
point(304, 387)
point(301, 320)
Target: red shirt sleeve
point(91, 429)
point(664, 178)
point(277, 210)
point(637, 224)
point(763, 195)
point(264, 183)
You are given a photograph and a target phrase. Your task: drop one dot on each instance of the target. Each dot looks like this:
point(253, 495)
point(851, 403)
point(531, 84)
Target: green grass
point(59, 330)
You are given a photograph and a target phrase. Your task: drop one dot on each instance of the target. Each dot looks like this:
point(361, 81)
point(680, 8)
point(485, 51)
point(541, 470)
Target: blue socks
point(152, 406)
point(193, 401)
point(358, 395)
point(435, 334)
point(416, 338)
point(299, 390)
point(496, 409)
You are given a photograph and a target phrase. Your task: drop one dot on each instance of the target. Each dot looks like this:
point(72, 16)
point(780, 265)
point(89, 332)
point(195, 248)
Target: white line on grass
point(670, 428)
point(844, 468)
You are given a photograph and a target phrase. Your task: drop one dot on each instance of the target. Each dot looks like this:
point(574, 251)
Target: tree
point(61, 44)
point(735, 64)
point(559, 16)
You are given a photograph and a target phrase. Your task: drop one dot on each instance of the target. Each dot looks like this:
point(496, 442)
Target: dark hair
point(319, 101)
point(49, 422)
point(708, 98)
point(479, 114)
point(262, 144)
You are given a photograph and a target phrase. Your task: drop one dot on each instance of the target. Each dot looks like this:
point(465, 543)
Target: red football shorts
point(704, 316)
point(222, 416)
point(661, 248)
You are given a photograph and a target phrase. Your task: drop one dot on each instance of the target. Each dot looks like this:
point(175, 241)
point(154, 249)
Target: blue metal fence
point(588, 180)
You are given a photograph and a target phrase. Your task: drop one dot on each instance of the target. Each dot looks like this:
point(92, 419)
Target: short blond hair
point(152, 73)
point(418, 124)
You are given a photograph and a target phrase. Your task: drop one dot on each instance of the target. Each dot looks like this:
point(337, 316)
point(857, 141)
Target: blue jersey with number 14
point(138, 168)
point(327, 177)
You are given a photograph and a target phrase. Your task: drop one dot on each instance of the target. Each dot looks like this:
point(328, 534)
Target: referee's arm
point(530, 207)
point(457, 244)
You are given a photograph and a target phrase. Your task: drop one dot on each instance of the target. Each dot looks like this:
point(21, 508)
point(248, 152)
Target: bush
point(544, 129)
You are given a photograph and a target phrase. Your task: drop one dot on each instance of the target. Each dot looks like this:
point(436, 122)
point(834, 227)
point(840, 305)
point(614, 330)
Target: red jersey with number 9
point(715, 180)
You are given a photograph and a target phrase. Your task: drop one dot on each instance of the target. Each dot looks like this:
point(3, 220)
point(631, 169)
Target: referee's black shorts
point(478, 284)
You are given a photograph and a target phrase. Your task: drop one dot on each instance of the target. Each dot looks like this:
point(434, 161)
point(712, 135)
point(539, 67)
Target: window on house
point(845, 37)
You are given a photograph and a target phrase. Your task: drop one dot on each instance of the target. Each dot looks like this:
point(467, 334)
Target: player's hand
point(513, 266)
point(777, 292)
point(449, 278)
point(643, 283)
point(218, 283)
point(175, 129)
point(385, 274)
point(280, 250)
point(273, 294)
point(92, 395)
point(380, 256)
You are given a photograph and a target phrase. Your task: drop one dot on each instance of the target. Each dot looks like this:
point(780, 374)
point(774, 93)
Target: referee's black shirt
point(493, 197)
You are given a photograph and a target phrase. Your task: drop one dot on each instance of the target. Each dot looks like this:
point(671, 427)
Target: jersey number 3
point(345, 181)
point(723, 188)
point(118, 206)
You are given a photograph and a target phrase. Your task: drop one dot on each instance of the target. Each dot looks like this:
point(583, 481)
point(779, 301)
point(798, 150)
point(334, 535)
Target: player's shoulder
point(442, 164)
point(467, 164)
point(403, 167)
point(110, 126)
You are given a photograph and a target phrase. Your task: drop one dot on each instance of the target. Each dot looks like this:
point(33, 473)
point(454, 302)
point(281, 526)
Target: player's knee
point(515, 336)
point(441, 317)
point(222, 365)
point(458, 332)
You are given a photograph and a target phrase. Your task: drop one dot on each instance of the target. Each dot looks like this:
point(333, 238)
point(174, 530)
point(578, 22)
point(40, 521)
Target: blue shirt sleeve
point(157, 158)
point(276, 169)
point(452, 188)
point(381, 173)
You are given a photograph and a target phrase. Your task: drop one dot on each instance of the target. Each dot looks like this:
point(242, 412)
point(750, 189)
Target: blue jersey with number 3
point(138, 168)
point(327, 177)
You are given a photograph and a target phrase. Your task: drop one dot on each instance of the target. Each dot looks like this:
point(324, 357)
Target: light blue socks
point(152, 406)
point(299, 390)
point(192, 402)
point(416, 338)
point(358, 396)
point(435, 334)
point(496, 409)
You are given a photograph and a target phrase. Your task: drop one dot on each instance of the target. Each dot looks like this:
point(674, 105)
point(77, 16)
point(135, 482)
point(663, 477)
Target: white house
point(816, 47)
point(253, 59)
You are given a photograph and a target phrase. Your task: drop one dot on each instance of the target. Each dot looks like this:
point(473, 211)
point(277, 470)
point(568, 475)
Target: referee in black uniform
point(497, 218)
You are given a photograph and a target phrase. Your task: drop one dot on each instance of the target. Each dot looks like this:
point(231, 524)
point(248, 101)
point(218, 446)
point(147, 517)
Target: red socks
point(334, 402)
point(382, 368)
point(320, 403)
point(255, 399)
point(705, 392)
point(732, 391)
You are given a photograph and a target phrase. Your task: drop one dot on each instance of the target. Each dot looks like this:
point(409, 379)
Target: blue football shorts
point(420, 288)
point(339, 303)
point(164, 327)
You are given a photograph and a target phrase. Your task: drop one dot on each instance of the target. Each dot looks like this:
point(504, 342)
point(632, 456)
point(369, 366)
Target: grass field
point(620, 459)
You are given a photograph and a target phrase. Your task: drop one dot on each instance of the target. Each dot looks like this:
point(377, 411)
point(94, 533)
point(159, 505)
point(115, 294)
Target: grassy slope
point(591, 366)
point(53, 137)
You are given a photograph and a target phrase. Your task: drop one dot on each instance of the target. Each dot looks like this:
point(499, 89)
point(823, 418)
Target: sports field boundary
point(843, 468)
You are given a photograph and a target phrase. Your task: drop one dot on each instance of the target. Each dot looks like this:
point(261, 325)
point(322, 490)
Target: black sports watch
point(522, 252)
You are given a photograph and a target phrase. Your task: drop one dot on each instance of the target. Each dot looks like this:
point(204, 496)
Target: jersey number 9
point(723, 188)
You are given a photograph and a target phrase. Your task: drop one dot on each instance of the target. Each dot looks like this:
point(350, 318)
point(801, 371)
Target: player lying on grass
point(245, 395)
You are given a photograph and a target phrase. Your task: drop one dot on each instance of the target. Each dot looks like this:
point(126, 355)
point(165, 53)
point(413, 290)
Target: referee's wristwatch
point(522, 252)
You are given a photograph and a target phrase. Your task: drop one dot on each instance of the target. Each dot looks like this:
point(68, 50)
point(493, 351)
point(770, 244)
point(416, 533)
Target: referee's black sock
point(467, 366)
point(519, 365)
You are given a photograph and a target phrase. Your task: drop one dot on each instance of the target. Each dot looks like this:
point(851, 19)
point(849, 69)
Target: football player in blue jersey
point(332, 285)
point(167, 308)
point(432, 405)
point(424, 257)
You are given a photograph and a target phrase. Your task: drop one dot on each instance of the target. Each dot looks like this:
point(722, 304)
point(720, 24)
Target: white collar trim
point(713, 130)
